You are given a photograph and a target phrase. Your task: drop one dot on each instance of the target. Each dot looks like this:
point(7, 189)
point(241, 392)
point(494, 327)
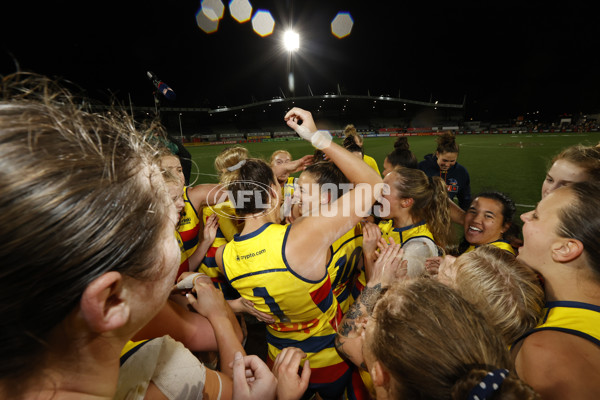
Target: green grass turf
point(514, 164)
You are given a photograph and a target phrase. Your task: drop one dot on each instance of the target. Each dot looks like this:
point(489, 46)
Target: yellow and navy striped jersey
point(404, 234)
point(183, 263)
point(287, 190)
point(371, 163)
point(189, 225)
point(306, 311)
point(501, 244)
point(573, 317)
point(130, 348)
point(401, 236)
point(228, 228)
point(346, 253)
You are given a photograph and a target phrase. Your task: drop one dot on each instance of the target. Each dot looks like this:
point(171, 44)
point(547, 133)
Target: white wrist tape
point(321, 139)
point(189, 281)
point(304, 132)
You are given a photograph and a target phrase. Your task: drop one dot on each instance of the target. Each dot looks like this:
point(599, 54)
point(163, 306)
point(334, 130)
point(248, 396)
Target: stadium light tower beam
point(291, 42)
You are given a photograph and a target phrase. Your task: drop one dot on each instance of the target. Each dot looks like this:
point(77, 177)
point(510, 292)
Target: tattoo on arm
point(339, 345)
point(369, 297)
point(362, 307)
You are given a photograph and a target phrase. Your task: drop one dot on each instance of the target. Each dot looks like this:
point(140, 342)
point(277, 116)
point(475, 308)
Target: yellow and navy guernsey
point(287, 190)
point(287, 194)
point(189, 225)
point(401, 236)
point(346, 253)
point(228, 227)
point(183, 263)
point(306, 311)
point(501, 244)
point(130, 348)
point(575, 318)
point(371, 163)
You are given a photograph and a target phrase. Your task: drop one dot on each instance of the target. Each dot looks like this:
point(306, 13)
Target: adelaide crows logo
point(452, 185)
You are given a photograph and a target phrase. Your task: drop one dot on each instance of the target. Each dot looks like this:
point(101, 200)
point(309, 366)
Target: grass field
point(514, 164)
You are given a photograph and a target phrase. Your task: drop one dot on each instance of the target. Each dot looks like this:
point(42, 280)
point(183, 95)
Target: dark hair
point(319, 156)
point(81, 195)
point(447, 143)
point(401, 143)
point(350, 144)
point(327, 172)
point(350, 132)
point(580, 220)
point(354, 148)
point(512, 387)
point(508, 205)
point(403, 158)
point(254, 176)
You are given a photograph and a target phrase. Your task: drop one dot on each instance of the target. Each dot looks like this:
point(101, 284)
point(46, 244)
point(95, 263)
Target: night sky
point(507, 59)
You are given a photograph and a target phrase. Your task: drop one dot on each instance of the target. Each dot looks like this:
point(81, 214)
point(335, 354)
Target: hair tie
point(236, 166)
point(490, 384)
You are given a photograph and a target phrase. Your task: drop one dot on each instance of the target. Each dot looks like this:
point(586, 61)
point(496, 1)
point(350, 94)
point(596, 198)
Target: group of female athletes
point(137, 285)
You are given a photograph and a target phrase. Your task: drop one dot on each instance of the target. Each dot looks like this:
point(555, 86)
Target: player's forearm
point(356, 170)
point(227, 341)
point(348, 340)
point(196, 258)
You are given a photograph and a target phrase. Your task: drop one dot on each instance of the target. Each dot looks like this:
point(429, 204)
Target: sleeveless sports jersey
point(371, 163)
point(368, 382)
point(575, 318)
point(501, 244)
point(307, 312)
point(287, 190)
point(189, 225)
point(346, 253)
point(287, 194)
point(166, 363)
point(359, 284)
point(228, 227)
point(183, 263)
point(131, 347)
point(401, 236)
point(229, 224)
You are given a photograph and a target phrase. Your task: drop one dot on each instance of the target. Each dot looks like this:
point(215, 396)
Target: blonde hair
point(508, 292)
point(432, 341)
point(170, 178)
point(430, 201)
point(229, 157)
point(350, 130)
point(163, 151)
point(277, 152)
point(585, 157)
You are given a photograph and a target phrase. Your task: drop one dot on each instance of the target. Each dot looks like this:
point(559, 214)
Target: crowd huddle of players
point(354, 272)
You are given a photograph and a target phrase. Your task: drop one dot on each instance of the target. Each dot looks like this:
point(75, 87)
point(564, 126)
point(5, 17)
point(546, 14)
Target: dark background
point(507, 59)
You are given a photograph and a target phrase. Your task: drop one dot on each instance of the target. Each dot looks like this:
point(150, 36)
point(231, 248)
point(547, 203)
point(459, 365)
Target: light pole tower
point(180, 129)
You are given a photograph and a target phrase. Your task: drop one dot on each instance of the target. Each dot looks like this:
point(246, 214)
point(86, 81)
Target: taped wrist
point(321, 139)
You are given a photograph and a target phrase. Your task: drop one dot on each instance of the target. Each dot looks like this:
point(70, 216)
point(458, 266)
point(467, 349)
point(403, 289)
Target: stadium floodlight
point(291, 40)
